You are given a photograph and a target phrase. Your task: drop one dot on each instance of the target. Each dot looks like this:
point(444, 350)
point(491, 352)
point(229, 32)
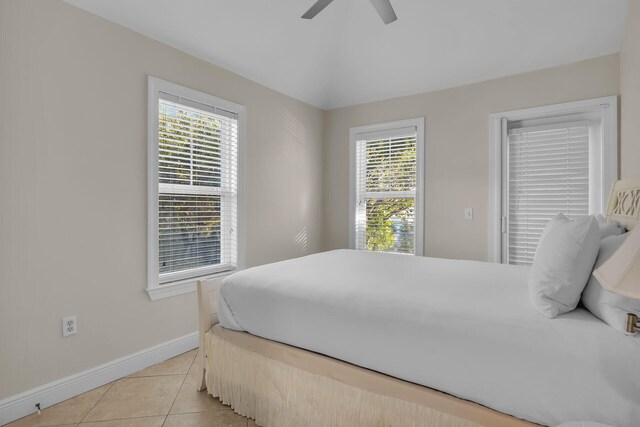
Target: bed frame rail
point(208, 316)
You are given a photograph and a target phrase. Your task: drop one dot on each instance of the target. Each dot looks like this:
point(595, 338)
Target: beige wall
point(457, 148)
point(630, 92)
point(73, 187)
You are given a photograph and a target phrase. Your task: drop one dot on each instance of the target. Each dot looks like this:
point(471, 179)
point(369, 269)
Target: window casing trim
point(182, 285)
point(607, 155)
point(386, 130)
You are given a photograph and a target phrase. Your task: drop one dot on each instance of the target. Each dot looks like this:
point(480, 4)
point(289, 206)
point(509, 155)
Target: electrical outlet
point(69, 326)
point(468, 213)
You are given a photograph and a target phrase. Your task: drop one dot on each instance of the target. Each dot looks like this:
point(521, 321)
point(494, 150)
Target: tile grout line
point(110, 385)
point(177, 393)
point(180, 388)
point(128, 376)
point(148, 376)
point(94, 405)
point(193, 361)
point(73, 422)
point(130, 418)
point(124, 419)
point(120, 419)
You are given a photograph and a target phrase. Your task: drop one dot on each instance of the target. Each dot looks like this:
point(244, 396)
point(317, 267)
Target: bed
point(339, 339)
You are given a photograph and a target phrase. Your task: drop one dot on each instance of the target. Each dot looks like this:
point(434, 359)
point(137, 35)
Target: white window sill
point(181, 287)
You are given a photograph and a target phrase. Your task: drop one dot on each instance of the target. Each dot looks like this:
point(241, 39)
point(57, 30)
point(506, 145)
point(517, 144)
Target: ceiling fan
point(383, 7)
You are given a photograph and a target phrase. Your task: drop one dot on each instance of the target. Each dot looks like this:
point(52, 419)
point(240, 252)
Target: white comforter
point(463, 327)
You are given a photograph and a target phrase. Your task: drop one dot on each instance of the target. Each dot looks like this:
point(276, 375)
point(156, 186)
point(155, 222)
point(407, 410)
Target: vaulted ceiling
point(347, 56)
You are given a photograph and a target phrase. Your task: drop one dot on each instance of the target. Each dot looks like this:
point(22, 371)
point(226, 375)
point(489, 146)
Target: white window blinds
point(548, 172)
point(386, 191)
point(197, 189)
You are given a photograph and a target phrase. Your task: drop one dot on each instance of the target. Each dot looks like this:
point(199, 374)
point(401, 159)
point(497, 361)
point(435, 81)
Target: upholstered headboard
point(624, 202)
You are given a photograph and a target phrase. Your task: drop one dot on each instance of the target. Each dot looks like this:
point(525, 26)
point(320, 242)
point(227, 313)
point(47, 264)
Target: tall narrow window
point(387, 188)
point(557, 159)
point(548, 173)
point(194, 163)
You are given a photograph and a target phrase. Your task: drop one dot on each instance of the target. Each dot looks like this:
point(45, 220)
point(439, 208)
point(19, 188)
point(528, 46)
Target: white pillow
point(608, 306)
point(563, 263)
point(609, 228)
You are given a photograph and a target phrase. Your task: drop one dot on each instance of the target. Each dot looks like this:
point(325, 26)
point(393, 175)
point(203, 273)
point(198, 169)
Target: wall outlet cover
point(69, 326)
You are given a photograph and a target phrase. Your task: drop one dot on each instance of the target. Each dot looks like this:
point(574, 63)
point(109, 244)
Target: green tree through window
point(387, 183)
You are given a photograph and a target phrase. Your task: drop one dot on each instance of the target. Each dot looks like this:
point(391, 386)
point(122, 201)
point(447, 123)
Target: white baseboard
point(23, 404)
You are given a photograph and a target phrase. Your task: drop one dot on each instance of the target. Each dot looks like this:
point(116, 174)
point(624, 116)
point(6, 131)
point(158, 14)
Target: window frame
point(607, 155)
point(419, 124)
point(155, 85)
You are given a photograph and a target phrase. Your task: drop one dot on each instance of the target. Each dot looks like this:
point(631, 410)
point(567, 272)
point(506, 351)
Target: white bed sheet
point(463, 327)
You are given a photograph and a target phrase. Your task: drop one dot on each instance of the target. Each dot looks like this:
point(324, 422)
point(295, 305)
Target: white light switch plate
point(468, 213)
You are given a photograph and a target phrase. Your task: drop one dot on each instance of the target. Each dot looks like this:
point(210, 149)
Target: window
point(554, 159)
point(194, 150)
point(386, 180)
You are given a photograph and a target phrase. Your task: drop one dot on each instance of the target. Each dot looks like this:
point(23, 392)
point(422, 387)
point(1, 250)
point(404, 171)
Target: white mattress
point(463, 327)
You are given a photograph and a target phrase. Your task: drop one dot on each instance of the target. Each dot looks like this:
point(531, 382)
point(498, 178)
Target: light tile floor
point(162, 395)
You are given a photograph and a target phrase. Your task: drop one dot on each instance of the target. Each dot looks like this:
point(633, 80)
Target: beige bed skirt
point(283, 386)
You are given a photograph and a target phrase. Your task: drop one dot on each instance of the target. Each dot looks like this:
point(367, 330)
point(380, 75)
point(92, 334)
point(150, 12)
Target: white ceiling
point(347, 56)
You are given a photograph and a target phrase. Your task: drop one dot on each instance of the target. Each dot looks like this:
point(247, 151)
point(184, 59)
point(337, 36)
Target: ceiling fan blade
point(316, 8)
point(385, 10)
